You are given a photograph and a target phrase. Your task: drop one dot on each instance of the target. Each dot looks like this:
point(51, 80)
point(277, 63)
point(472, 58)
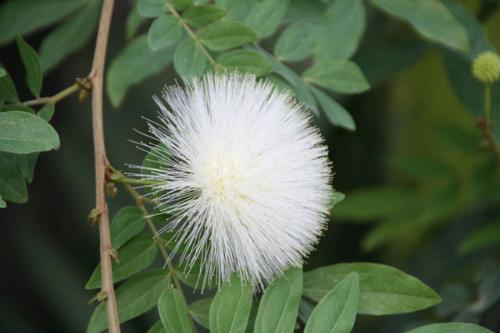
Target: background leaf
point(23, 133)
point(25, 16)
point(200, 311)
point(451, 328)
point(431, 19)
point(32, 65)
point(12, 184)
point(335, 113)
point(189, 60)
point(69, 36)
point(297, 41)
point(126, 223)
point(266, 16)
point(202, 15)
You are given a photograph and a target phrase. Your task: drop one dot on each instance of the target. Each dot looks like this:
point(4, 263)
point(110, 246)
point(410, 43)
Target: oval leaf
point(189, 60)
point(337, 115)
point(431, 19)
point(266, 16)
point(404, 294)
point(23, 133)
point(338, 75)
point(231, 307)
point(342, 32)
point(245, 61)
point(164, 32)
point(136, 255)
point(279, 305)
point(336, 312)
point(297, 41)
point(173, 311)
point(32, 65)
point(133, 298)
point(451, 328)
point(152, 8)
point(126, 223)
point(202, 15)
point(200, 311)
point(7, 89)
point(224, 35)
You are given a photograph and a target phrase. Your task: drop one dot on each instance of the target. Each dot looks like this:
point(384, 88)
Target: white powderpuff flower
point(243, 176)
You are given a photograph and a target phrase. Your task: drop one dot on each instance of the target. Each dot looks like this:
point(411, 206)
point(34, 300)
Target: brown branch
point(101, 163)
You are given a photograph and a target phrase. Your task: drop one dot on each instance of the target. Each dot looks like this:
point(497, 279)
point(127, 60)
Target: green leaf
point(7, 89)
point(336, 312)
point(191, 276)
point(133, 65)
point(152, 8)
point(32, 66)
point(339, 75)
point(403, 294)
point(12, 184)
point(245, 61)
point(450, 328)
point(164, 32)
point(476, 31)
point(481, 238)
point(23, 133)
point(134, 22)
point(202, 15)
point(189, 60)
point(133, 298)
point(126, 223)
point(431, 19)
point(224, 35)
point(156, 328)
point(300, 88)
point(2, 72)
point(173, 311)
point(181, 4)
point(266, 16)
point(279, 305)
point(337, 198)
point(297, 41)
point(3, 204)
point(69, 36)
point(375, 203)
point(231, 307)
point(200, 310)
point(336, 114)
point(137, 254)
point(26, 16)
point(342, 32)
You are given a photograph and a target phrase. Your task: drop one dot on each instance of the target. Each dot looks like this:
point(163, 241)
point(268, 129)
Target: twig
point(79, 85)
point(139, 201)
point(101, 163)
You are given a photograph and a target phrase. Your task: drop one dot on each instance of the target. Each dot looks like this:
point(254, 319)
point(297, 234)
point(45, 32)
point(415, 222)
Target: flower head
point(486, 67)
point(243, 175)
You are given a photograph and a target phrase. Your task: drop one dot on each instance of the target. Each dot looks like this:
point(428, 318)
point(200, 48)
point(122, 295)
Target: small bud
point(486, 67)
point(111, 190)
point(94, 216)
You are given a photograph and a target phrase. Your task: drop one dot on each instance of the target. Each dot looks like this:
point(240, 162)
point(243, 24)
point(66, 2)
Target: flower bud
point(486, 67)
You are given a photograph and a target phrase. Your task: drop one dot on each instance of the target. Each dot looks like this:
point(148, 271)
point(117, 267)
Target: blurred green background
point(418, 184)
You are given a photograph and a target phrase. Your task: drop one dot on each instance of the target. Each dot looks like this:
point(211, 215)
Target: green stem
point(139, 201)
point(83, 84)
point(487, 104)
